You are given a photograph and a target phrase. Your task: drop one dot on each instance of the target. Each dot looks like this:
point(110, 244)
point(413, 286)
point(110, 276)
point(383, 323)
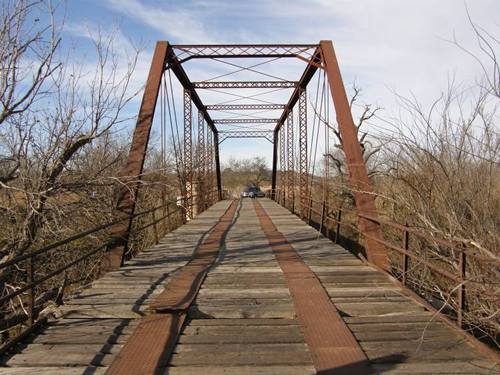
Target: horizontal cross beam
point(267, 134)
point(243, 107)
point(303, 51)
point(244, 84)
point(246, 121)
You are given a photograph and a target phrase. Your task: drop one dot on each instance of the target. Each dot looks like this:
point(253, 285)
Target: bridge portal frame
point(317, 56)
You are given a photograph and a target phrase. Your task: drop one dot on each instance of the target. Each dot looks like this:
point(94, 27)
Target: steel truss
point(244, 84)
point(201, 156)
point(244, 107)
point(290, 154)
point(303, 177)
point(209, 162)
point(188, 155)
point(283, 168)
point(246, 121)
point(320, 56)
point(267, 134)
point(187, 52)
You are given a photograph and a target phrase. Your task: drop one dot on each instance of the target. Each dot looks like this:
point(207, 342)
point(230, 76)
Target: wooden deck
point(243, 320)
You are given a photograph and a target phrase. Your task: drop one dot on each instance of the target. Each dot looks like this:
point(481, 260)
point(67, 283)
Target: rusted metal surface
point(149, 348)
point(182, 288)
point(275, 163)
point(303, 171)
point(306, 77)
point(333, 347)
point(246, 121)
point(209, 162)
point(174, 64)
point(266, 134)
point(188, 154)
point(244, 84)
point(244, 107)
point(361, 188)
point(197, 51)
point(282, 153)
point(132, 172)
point(218, 176)
point(291, 158)
point(201, 166)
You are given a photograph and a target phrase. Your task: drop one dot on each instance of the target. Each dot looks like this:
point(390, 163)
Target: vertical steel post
point(290, 154)
point(155, 228)
point(406, 244)
point(217, 166)
point(462, 264)
point(303, 178)
point(337, 226)
point(31, 279)
point(361, 189)
point(209, 164)
point(282, 163)
point(188, 153)
point(275, 164)
point(132, 172)
point(201, 195)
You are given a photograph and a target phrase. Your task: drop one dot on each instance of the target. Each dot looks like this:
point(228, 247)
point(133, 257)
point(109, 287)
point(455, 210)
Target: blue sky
point(387, 46)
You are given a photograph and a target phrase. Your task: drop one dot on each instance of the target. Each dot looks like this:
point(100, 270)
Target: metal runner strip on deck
point(149, 348)
point(243, 320)
point(333, 347)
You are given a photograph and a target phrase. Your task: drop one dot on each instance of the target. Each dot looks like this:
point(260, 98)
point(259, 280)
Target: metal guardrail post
point(406, 241)
point(155, 228)
point(31, 279)
point(323, 213)
point(337, 227)
point(462, 264)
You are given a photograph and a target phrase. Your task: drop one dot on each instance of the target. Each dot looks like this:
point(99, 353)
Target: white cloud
point(174, 22)
point(386, 45)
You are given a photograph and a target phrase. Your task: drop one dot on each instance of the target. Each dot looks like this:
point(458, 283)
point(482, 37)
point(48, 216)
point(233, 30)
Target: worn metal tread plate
point(148, 350)
point(398, 337)
point(333, 347)
point(243, 320)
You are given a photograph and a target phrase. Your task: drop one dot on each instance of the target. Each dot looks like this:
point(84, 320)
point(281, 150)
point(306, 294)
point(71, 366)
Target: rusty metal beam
point(267, 134)
point(217, 165)
point(187, 52)
point(244, 84)
point(188, 154)
point(210, 162)
point(275, 164)
point(132, 172)
point(360, 184)
point(244, 107)
point(174, 64)
point(201, 193)
point(291, 160)
point(282, 152)
point(246, 121)
point(306, 77)
point(303, 176)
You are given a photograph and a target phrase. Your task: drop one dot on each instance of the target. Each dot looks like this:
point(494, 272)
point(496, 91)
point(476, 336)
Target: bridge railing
point(456, 275)
point(31, 297)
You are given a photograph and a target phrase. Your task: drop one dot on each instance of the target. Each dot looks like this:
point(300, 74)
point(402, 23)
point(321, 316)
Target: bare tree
point(59, 153)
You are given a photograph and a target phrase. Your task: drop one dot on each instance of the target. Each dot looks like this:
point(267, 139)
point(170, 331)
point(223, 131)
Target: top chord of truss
point(267, 134)
point(247, 121)
point(243, 107)
point(186, 52)
point(244, 84)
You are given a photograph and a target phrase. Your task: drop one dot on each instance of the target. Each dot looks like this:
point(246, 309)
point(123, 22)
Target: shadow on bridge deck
point(243, 320)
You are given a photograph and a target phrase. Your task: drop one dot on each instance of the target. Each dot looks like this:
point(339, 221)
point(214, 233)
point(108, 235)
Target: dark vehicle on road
point(252, 192)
